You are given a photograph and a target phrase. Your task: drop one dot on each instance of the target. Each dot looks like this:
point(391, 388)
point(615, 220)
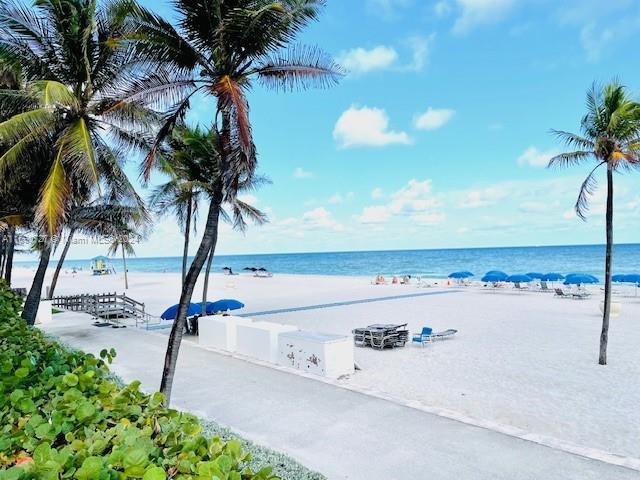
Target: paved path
point(348, 302)
point(343, 434)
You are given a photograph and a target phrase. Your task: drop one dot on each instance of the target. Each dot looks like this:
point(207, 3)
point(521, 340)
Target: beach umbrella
point(632, 278)
point(460, 275)
point(578, 279)
point(535, 275)
point(250, 269)
point(223, 306)
point(494, 278)
point(497, 275)
point(519, 278)
point(619, 278)
point(170, 313)
point(262, 269)
point(226, 268)
point(552, 277)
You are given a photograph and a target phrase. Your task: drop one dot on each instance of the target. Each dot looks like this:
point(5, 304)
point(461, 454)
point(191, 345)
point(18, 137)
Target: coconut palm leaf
point(55, 192)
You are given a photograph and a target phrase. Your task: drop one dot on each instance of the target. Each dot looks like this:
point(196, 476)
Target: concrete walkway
point(341, 433)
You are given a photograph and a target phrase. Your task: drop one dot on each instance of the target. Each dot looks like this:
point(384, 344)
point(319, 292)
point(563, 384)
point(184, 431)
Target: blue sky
point(438, 135)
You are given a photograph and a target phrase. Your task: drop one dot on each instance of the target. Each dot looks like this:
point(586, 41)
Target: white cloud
point(368, 127)
point(335, 199)
point(421, 48)
point(595, 40)
point(377, 193)
point(250, 199)
point(442, 8)
point(433, 118)
point(480, 12)
point(536, 158)
point(321, 218)
point(375, 214)
point(483, 197)
point(359, 60)
point(429, 218)
point(301, 173)
point(387, 9)
point(414, 200)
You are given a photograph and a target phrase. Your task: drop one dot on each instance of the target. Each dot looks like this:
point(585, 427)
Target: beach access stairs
point(110, 307)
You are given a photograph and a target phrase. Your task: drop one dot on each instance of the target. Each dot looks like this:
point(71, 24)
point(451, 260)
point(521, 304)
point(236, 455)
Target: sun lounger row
point(381, 336)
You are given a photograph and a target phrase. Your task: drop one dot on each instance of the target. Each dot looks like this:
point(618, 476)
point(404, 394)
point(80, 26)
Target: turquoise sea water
point(430, 263)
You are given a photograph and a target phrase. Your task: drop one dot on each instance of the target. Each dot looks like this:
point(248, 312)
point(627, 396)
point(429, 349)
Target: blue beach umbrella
point(464, 274)
point(552, 277)
point(494, 278)
point(223, 306)
point(619, 278)
point(170, 313)
point(578, 279)
point(535, 275)
point(632, 278)
point(519, 279)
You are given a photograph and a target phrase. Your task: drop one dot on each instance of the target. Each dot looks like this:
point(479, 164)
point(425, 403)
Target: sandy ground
point(526, 360)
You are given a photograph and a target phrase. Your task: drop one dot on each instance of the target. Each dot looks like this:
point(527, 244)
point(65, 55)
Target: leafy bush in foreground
point(62, 417)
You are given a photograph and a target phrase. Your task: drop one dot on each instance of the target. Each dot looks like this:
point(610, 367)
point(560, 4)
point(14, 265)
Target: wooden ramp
point(111, 307)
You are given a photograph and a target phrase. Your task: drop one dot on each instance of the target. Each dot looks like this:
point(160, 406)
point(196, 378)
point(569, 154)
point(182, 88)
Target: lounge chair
point(427, 335)
point(560, 293)
point(544, 287)
point(580, 295)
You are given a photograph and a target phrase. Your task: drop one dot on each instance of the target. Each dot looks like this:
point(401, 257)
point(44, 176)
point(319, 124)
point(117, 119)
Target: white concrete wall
point(220, 331)
point(322, 354)
point(44, 314)
point(260, 339)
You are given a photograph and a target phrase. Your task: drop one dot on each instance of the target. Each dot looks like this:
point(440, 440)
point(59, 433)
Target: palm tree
point(98, 219)
point(181, 193)
point(611, 137)
point(70, 61)
point(219, 49)
point(192, 159)
point(123, 241)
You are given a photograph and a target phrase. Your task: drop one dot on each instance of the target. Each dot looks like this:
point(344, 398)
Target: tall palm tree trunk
point(207, 245)
point(124, 261)
point(33, 298)
point(206, 282)
point(8, 267)
point(604, 335)
point(63, 255)
point(187, 232)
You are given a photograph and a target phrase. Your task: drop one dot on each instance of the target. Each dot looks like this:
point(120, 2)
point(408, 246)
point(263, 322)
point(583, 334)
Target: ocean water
point(428, 263)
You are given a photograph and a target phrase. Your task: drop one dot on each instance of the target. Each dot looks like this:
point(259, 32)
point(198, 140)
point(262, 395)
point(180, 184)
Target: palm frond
point(233, 101)
point(570, 158)
point(23, 124)
point(587, 189)
point(79, 148)
point(53, 197)
point(52, 93)
point(299, 67)
point(573, 140)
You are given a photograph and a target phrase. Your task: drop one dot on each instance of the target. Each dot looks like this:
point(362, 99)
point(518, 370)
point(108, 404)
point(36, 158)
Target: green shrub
point(61, 416)
point(10, 303)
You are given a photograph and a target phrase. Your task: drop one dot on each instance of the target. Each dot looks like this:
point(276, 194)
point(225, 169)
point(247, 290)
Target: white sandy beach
point(524, 360)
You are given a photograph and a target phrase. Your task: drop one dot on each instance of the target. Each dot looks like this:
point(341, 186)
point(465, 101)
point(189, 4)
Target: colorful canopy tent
point(101, 265)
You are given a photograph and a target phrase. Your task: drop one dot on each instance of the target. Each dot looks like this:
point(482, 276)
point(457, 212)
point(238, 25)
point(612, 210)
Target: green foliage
point(62, 416)
point(10, 303)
